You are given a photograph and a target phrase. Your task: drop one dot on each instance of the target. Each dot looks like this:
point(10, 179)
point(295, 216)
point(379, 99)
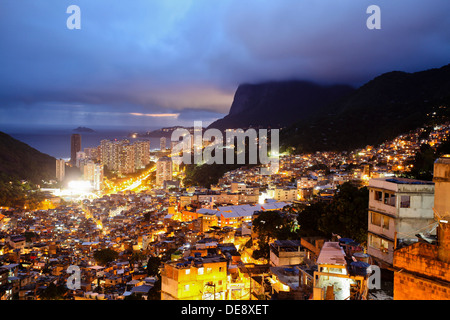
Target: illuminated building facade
point(195, 278)
point(163, 170)
point(142, 154)
point(335, 279)
point(60, 169)
point(125, 157)
point(162, 144)
point(93, 172)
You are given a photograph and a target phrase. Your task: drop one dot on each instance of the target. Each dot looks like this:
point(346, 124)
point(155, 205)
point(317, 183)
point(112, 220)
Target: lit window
point(188, 271)
point(201, 270)
point(186, 287)
point(386, 223)
point(376, 219)
point(384, 246)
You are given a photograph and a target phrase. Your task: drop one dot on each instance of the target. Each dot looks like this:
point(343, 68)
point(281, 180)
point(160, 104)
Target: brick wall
point(421, 258)
point(414, 261)
point(410, 287)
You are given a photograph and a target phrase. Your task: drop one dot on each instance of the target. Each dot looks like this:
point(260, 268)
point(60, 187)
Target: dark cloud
point(188, 56)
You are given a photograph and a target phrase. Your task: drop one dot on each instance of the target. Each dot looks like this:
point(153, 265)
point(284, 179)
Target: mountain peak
point(278, 103)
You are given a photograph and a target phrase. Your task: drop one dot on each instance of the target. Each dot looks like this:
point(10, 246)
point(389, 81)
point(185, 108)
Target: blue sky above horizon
point(168, 62)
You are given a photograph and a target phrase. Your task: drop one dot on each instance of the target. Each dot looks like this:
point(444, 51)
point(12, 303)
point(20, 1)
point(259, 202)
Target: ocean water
point(56, 141)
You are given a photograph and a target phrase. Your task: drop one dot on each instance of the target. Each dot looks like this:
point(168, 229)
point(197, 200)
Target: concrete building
point(75, 146)
point(142, 155)
point(335, 279)
point(60, 169)
point(422, 269)
point(282, 194)
point(162, 144)
point(127, 161)
point(199, 278)
point(123, 156)
point(286, 252)
point(237, 187)
point(398, 209)
point(81, 158)
point(93, 172)
point(163, 170)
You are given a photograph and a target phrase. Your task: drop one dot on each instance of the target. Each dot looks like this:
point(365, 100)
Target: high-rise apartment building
point(60, 169)
point(127, 158)
point(92, 153)
point(162, 144)
point(93, 172)
point(75, 146)
point(163, 170)
point(81, 158)
point(142, 153)
point(123, 156)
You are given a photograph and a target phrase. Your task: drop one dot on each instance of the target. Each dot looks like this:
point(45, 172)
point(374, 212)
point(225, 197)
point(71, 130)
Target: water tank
point(361, 256)
point(360, 268)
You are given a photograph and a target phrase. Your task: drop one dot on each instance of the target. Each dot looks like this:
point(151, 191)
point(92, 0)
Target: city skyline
point(155, 62)
point(327, 176)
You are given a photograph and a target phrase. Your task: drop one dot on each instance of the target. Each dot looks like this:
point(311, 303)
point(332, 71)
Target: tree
point(347, 214)
point(53, 292)
point(105, 256)
point(423, 163)
point(136, 257)
point(308, 219)
point(270, 225)
point(153, 266)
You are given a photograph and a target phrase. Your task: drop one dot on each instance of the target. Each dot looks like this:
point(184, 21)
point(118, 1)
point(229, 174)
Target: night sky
point(157, 63)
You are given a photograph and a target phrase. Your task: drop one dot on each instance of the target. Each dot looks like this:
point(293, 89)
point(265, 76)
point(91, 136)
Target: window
point(378, 195)
point(405, 201)
point(201, 270)
point(384, 247)
point(375, 219)
point(379, 220)
point(208, 270)
point(186, 287)
point(389, 199)
point(385, 222)
point(374, 242)
point(188, 271)
point(378, 243)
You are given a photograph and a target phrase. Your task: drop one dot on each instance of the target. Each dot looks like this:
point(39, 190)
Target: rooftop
point(332, 253)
